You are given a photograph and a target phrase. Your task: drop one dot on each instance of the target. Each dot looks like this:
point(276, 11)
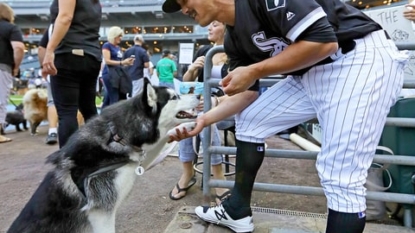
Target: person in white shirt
point(148, 72)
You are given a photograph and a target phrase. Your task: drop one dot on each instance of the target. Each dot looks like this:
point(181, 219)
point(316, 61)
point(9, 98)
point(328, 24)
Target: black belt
point(346, 46)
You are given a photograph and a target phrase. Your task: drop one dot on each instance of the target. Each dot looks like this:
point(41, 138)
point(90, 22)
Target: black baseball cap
point(166, 52)
point(171, 6)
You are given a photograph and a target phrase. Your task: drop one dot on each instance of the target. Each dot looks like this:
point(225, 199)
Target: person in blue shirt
point(112, 55)
point(136, 71)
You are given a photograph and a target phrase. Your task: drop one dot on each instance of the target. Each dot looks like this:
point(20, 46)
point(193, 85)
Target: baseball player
point(341, 68)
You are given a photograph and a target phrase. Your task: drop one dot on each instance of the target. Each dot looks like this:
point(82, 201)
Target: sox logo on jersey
point(274, 45)
point(275, 4)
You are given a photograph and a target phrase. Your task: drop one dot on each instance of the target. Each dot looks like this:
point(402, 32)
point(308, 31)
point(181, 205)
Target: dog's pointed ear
point(150, 94)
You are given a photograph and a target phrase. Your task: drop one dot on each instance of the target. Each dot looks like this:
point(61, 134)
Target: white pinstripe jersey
point(264, 28)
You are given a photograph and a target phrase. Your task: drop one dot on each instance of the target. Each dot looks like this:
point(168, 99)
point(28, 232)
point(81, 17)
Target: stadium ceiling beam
point(108, 10)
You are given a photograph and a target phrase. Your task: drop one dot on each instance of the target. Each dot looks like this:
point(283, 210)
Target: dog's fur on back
point(94, 172)
point(15, 118)
point(35, 108)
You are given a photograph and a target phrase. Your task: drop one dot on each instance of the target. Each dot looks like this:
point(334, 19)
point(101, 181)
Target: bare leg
point(218, 174)
point(186, 177)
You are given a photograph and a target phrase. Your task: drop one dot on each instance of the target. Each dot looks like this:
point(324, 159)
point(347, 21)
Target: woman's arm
point(193, 70)
point(106, 54)
point(62, 23)
point(60, 28)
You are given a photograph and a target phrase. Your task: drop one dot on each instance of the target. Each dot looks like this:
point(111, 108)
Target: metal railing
point(297, 154)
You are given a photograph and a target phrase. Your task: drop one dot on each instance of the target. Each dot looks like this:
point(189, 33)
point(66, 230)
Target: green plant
point(17, 99)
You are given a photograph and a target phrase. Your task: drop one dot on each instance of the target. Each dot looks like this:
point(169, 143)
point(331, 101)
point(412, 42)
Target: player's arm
point(288, 61)
point(229, 106)
point(314, 44)
point(291, 59)
point(313, 38)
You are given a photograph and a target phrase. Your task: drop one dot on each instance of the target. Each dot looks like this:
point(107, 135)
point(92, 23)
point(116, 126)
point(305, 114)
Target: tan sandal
point(179, 190)
point(5, 139)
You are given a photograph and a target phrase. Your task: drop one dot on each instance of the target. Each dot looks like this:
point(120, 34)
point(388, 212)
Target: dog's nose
point(198, 97)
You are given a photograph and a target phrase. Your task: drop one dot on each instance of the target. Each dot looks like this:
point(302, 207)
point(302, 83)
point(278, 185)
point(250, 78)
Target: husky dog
point(35, 108)
point(95, 171)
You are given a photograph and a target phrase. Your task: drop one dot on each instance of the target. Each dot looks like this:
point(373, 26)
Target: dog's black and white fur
point(15, 118)
point(95, 171)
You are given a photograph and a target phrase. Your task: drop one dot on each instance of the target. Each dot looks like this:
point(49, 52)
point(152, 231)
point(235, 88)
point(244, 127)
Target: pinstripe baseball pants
point(351, 98)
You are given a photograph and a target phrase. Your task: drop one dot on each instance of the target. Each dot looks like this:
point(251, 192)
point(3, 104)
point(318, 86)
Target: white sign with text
point(398, 28)
point(186, 53)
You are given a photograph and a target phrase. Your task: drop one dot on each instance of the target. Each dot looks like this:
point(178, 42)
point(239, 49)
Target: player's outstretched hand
point(238, 80)
point(182, 133)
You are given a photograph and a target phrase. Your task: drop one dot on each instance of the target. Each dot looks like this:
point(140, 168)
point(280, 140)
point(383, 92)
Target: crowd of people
point(73, 64)
point(322, 55)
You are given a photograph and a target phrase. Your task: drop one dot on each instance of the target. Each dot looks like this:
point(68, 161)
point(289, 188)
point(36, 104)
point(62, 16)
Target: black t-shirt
point(8, 32)
point(136, 70)
point(83, 32)
point(264, 28)
point(44, 40)
point(202, 51)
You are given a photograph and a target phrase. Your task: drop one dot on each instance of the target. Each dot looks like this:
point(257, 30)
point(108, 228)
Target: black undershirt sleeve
point(319, 32)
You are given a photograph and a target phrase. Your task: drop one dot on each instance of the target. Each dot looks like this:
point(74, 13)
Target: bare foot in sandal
point(4, 139)
point(177, 190)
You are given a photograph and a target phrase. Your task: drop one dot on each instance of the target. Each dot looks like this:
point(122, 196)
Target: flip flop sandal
point(179, 190)
point(6, 140)
point(222, 197)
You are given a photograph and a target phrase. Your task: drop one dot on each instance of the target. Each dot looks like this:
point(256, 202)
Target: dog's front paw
point(189, 126)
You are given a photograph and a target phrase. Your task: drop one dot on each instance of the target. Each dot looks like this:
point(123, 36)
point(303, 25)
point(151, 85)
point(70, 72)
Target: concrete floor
point(270, 221)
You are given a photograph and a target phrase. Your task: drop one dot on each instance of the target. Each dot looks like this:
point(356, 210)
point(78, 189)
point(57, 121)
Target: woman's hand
point(128, 61)
point(15, 72)
point(198, 63)
point(49, 64)
point(409, 13)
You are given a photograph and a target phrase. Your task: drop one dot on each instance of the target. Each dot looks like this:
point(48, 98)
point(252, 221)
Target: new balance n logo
point(290, 15)
point(220, 215)
point(274, 4)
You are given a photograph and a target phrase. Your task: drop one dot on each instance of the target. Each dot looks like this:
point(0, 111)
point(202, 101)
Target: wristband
point(120, 63)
